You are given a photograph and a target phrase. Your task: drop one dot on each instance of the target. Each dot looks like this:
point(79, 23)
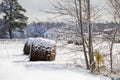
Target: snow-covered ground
point(15, 66)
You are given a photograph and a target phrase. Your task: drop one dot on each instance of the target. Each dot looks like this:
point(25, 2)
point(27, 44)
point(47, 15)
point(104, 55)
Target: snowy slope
point(15, 66)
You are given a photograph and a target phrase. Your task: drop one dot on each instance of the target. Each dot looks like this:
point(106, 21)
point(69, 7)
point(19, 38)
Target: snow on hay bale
point(40, 49)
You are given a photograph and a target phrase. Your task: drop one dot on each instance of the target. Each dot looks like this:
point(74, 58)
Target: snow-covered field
point(15, 66)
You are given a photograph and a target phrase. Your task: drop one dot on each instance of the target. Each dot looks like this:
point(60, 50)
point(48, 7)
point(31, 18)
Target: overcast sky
point(34, 8)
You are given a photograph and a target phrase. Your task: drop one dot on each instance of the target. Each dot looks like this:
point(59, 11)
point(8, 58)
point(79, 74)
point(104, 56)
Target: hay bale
point(26, 49)
point(41, 50)
point(41, 54)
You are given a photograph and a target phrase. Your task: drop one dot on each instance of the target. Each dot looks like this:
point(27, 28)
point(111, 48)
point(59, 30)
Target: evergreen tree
point(13, 17)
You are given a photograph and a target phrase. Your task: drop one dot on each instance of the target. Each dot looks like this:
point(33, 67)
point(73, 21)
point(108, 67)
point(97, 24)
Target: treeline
point(36, 29)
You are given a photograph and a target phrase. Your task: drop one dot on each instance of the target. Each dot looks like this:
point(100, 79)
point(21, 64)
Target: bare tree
point(91, 58)
point(80, 12)
point(80, 23)
point(115, 10)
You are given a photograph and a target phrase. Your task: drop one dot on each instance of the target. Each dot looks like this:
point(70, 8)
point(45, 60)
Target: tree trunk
point(10, 34)
point(10, 24)
point(111, 49)
point(82, 35)
point(91, 58)
point(80, 23)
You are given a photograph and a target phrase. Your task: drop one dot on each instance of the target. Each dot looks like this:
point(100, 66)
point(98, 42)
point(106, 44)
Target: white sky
point(33, 8)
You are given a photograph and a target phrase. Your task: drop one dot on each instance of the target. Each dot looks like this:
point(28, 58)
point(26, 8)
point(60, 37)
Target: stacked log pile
point(40, 49)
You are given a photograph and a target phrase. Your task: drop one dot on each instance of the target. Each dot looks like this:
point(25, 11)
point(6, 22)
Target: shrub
point(98, 63)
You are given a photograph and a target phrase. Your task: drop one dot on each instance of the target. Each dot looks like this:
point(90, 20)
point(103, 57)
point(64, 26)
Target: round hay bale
point(26, 49)
point(42, 49)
